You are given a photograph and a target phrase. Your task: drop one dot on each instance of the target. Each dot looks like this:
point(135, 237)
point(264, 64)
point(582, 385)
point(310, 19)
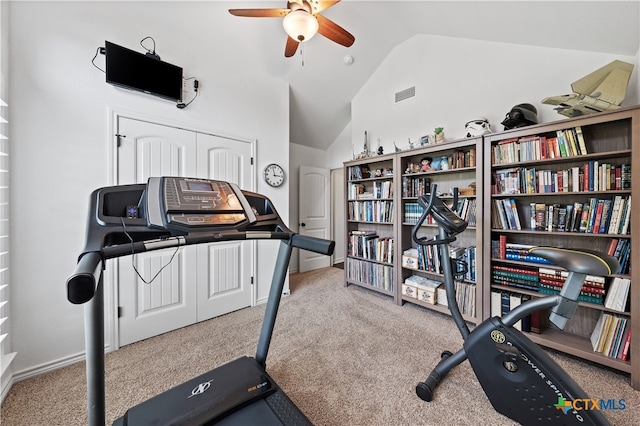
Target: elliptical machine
point(520, 380)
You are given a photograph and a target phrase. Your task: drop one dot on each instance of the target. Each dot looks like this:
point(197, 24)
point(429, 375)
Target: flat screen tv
point(137, 71)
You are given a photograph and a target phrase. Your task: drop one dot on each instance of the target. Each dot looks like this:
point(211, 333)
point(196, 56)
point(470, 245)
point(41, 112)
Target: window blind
point(6, 356)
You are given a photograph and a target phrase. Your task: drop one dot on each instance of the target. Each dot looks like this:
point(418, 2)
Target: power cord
point(124, 229)
point(150, 52)
point(99, 50)
point(196, 85)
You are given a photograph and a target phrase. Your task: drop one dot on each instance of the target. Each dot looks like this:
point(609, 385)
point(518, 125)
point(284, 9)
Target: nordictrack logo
point(589, 404)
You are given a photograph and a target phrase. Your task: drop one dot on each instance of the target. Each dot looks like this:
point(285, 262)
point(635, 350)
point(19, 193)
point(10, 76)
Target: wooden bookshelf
point(370, 254)
point(611, 138)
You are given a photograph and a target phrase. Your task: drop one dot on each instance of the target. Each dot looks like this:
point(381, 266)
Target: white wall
point(457, 80)
point(59, 127)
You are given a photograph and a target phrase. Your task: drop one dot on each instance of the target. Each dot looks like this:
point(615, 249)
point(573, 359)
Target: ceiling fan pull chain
point(302, 56)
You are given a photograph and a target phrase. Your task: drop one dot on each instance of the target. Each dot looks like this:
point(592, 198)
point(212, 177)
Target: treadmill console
point(186, 204)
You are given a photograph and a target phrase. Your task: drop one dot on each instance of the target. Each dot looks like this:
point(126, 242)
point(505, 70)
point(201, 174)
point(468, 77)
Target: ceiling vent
point(405, 94)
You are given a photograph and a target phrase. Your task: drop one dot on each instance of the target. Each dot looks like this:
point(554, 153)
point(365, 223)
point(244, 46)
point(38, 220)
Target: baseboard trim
point(50, 366)
point(6, 389)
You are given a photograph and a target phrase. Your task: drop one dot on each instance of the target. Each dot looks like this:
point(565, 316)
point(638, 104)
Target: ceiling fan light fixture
point(300, 25)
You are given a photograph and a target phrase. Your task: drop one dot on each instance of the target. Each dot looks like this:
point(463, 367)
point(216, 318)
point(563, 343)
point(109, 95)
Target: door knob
point(303, 224)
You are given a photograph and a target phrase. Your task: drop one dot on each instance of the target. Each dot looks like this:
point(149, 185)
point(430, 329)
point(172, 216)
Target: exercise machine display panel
point(185, 203)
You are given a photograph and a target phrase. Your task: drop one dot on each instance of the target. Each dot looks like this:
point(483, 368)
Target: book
point(541, 216)
point(581, 141)
point(515, 300)
point(615, 215)
point(624, 226)
point(584, 219)
point(625, 178)
point(514, 208)
point(496, 303)
point(575, 217)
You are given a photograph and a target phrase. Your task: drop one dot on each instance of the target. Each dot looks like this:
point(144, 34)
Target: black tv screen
point(137, 71)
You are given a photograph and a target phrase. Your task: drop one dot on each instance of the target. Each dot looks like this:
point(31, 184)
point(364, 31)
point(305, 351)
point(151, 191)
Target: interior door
point(149, 306)
point(224, 269)
point(314, 214)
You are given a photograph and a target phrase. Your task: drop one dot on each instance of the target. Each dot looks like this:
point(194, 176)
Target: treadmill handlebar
point(316, 245)
point(81, 286)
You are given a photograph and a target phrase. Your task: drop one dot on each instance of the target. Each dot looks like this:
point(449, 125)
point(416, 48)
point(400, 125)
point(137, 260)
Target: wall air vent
point(405, 94)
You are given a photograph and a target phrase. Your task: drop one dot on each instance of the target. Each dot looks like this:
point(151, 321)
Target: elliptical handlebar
point(447, 220)
point(449, 225)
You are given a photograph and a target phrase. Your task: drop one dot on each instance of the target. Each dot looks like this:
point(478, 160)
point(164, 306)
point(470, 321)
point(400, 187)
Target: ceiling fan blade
point(318, 6)
point(291, 47)
point(334, 32)
point(260, 13)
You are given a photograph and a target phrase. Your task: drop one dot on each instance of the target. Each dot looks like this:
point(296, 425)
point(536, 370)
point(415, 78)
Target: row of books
point(501, 249)
point(594, 216)
point(546, 281)
point(467, 210)
point(612, 336)
point(373, 274)
point(358, 172)
point(552, 281)
point(378, 189)
point(371, 211)
point(415, 186)
point(429, 259)
point(461, 159)
point(504, 214)
point(368, 245)
point(502, 302)
point(465, 297)
point(614, 295)
point(592, 176)
point(565, 143)
point(413, 213)
point(620, 248)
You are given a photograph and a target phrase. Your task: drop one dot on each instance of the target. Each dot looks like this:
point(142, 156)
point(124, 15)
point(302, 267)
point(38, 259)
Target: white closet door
point(169, 301)
point(201, 281)
point(225, 270)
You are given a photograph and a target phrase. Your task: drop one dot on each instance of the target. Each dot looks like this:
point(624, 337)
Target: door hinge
point(252, 161)
point(251, 280)
point(118, 136)
point(119, 311)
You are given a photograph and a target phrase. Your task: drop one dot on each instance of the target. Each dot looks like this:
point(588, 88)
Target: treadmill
point(171, 212)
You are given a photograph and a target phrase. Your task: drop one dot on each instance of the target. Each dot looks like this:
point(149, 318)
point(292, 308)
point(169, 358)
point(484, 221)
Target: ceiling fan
point(302, 20)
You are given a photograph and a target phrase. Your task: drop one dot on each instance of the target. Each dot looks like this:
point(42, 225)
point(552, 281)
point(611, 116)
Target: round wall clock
point(274, 175)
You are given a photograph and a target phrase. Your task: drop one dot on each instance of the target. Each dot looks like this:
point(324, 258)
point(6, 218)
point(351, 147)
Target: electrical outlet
point(185, 86)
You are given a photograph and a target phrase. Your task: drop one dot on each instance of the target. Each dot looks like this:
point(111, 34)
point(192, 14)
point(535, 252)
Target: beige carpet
point(344, 355)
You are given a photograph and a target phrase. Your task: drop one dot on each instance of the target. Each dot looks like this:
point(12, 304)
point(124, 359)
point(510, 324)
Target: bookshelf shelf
point(438, 308)
point(577, 346)
point(371, 287)
point(544, 194)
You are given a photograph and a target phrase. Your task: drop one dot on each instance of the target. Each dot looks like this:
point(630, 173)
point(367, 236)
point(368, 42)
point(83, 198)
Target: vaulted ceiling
point(322, 84)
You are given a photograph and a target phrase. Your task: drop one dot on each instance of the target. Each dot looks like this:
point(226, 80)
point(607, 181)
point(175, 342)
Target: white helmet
point(477, 127)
